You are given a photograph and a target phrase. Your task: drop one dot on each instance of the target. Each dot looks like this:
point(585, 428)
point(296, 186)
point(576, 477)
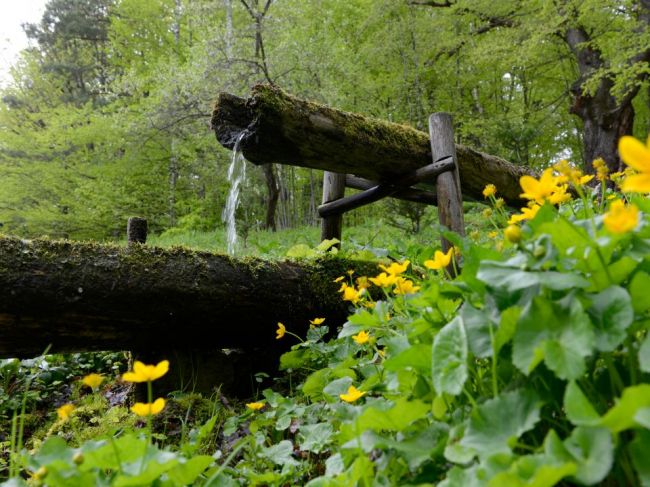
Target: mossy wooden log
point(280, 128)
point(85, 296)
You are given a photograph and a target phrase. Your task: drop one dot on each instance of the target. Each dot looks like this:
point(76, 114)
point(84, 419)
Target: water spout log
point(281, 128)
point(81, 296)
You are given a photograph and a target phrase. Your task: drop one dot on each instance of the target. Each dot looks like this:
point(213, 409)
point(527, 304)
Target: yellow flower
point(351, 294)
point(146, 373)
point(559, 196)
point(585, 179)
point(350, 272)
point(148, 409)
point(512, 233)
point(637, 156)
point(383, 280)
point(405, 286)
point(526, 214)
point(395, 269)
point(621, 219)
point(352, 395)
point(487, 213)
point(316, 321)
point(499, 203)
point(439, 261)
point(93, 380)
point(601, 169)
point(279, 333)
point(65, 411)
point(489, 190)
point(362, 282)
point(339, 279)
point(361, 337)
point(539, 190)
point(255, 406)
point(493, 234)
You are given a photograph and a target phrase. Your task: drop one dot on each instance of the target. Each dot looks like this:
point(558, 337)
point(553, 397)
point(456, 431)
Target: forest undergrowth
point(530, 367)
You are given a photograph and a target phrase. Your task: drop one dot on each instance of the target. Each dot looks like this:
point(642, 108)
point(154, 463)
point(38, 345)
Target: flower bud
point(78, 458)
point(512, 233)
point(41, 473)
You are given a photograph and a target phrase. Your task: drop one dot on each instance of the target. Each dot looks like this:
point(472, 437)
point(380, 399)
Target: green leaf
point(639, 292)
point(644, 354)
point(449, 358)
point(511, 279)
point(415, 357)
point(642, 417)
point(577, 406)
point(507, 327)
point(560, 333)
point(420, 447)
point(497, 422)
point(326, 244)
point(533, 471)
point(622, 415)
point(301, 251)
point(280, 454)
point(477, 324)
point(593, 450)
point(315, 383)
point(640, 452)
point(616, 273)
point(315, 437)
point(396, 418)
point(294, 359)
point(186, 473)
point(612, 313)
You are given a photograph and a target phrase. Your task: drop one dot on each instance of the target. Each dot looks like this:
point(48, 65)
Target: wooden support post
point(333, 189)
point(136, 230)
point(450, 199)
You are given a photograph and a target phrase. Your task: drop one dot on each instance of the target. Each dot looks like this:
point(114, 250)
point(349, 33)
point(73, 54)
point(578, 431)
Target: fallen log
point(86, 296)
point(274, 127)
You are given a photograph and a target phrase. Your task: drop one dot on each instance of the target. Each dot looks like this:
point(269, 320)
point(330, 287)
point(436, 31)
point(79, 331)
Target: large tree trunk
point(80, 296)
point(280, 128)
point(605, 119)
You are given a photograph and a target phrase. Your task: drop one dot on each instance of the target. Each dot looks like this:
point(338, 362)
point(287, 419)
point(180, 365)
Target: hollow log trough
point(275, 127)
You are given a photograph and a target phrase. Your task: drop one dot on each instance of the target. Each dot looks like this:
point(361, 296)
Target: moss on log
point(87, 296)
point(280, 128)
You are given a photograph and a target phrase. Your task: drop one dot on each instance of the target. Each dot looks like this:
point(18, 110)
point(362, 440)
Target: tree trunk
point(80, 296)
point(283, 129)
point(605, 119)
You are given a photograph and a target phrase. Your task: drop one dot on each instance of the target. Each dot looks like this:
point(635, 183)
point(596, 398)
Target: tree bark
point(80, 296)
point(605, 119)
point(283, 129)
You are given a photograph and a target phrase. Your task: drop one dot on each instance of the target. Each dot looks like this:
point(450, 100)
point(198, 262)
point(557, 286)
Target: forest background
point(106, 116)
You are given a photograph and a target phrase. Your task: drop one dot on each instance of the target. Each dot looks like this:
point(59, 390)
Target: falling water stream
point(236, 175)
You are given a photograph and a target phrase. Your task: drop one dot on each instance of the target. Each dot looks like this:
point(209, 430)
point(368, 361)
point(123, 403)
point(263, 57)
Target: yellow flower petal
point(620, 218)
point(279, 333)
point(93, 380)
point(439, 261)
point(637, 183)
point(352, 395)
point(255, 406)
point(634, 153)
point(65, 411)
point(148, 409)
point(395, 269)
point(361, 337)
point(146, 373)
point(316, 321)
